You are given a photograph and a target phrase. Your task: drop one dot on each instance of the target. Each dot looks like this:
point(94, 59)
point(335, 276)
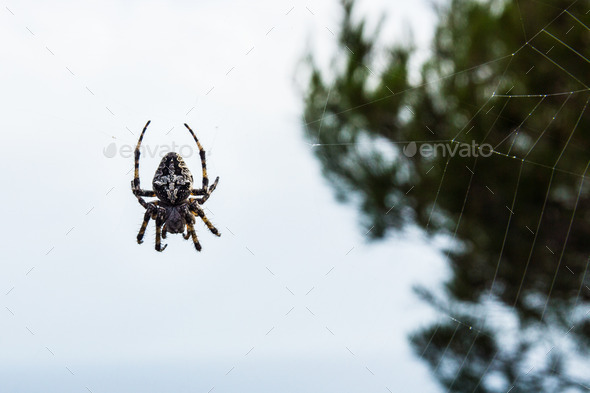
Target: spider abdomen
point(173, 180)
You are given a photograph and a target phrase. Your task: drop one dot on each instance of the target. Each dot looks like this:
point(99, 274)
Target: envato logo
point(449, 149)
point(127, 151)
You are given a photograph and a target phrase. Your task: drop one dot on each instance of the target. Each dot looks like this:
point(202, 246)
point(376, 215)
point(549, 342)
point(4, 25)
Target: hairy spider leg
point(203, 164)
point(189, 220)
point(159, 235)
point(137, 191)
point(191, 232)
point(197, 211)
point(145, 193)
point(149, 213)
point(202, 200)
point(146, 219)
point(164, 231)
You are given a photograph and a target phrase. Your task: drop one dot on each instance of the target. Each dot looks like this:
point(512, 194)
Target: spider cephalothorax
point(173, 186)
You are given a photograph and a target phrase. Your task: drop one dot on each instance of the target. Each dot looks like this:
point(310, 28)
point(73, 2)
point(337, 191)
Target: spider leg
point(149, 213)
point(209, 191)
point(191, 232)
point(146, 219)
point(164, 231)
point(137, 154)
point(158, 236)
point(202, 154)
point(189, 220)
point(206, 194)
point(197, 211)
point(137, 191)
point(143, 193)
point(190, 229)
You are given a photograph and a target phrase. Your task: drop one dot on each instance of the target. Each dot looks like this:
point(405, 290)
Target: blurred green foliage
point(512, 74)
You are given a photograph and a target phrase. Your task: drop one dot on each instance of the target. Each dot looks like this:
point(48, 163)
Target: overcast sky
point(290, 298)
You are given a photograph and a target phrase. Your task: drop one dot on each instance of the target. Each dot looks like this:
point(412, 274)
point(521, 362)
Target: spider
point(173, 186)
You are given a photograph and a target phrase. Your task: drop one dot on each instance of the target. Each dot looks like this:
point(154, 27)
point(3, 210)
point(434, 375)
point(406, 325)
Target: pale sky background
point(86, 308)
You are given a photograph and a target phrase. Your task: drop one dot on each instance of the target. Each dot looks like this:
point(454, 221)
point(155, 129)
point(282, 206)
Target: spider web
point(552, 160)
point(526, 157)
